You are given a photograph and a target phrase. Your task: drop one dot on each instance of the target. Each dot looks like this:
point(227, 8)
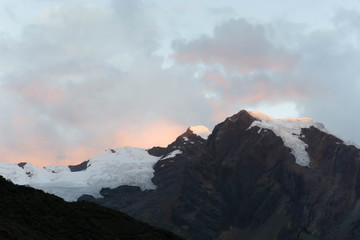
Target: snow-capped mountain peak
point(201, 131)
point(289, 129)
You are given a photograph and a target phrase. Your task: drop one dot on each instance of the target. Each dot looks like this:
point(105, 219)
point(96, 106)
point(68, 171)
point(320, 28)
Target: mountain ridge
point(244, 178)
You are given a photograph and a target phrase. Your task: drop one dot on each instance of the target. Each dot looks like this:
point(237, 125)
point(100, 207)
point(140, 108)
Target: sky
point(78, 77)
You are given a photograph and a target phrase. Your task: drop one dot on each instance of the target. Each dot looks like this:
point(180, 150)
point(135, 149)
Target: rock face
point(243, 183)
point(80, 167)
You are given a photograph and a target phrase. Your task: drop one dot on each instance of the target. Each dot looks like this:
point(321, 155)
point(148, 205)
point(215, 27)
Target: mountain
point(26, 213)
point(114, 167)
point(254, 177)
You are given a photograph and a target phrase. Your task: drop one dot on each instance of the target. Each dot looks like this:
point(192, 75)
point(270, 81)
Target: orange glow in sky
point(158, 133)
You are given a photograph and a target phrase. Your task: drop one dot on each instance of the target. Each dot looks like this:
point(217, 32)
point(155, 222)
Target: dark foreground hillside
point(26, 213)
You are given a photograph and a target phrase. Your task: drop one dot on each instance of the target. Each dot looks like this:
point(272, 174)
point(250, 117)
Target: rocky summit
point(254, 178)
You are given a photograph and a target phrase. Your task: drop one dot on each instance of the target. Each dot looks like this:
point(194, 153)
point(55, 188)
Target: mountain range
point(254, 177)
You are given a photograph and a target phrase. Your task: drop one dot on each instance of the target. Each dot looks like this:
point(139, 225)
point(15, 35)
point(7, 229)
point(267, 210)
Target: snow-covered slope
point(122, 166)
point(289, 129)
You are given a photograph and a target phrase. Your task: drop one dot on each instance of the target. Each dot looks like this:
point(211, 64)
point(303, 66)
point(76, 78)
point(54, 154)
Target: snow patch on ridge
point(351, 143)
point(289, 129)
point(125, 166)
point(201, 131)
point(172, 154)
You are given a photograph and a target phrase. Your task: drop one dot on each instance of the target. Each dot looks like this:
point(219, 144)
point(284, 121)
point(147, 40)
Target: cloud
point(236, 44)
point(347, 20)
point(249, 65)
point(75, 84)
point(222, 11)
point(240, 66)
point(330, 70)
point(85, 76)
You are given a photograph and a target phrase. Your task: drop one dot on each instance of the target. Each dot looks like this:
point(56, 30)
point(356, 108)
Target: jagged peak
point(289, 129)
point(200, 130)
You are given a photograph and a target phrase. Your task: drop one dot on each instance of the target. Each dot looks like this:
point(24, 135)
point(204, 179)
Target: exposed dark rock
point(22, 164)
point(86, 197)
point(122, 190)
point(80, 167)
point(244, 184)
point(157, 151)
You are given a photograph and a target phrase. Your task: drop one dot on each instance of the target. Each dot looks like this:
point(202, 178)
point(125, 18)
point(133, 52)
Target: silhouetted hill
point(26, 213)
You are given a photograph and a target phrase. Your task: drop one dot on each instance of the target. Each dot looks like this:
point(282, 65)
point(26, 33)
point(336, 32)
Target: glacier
point(113, 168)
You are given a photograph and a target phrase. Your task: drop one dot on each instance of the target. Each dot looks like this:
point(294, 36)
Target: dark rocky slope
point(244, 184)
point(26, 213)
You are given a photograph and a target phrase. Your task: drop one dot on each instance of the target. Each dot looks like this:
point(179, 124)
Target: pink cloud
point(238, 46)
point(37, 91)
